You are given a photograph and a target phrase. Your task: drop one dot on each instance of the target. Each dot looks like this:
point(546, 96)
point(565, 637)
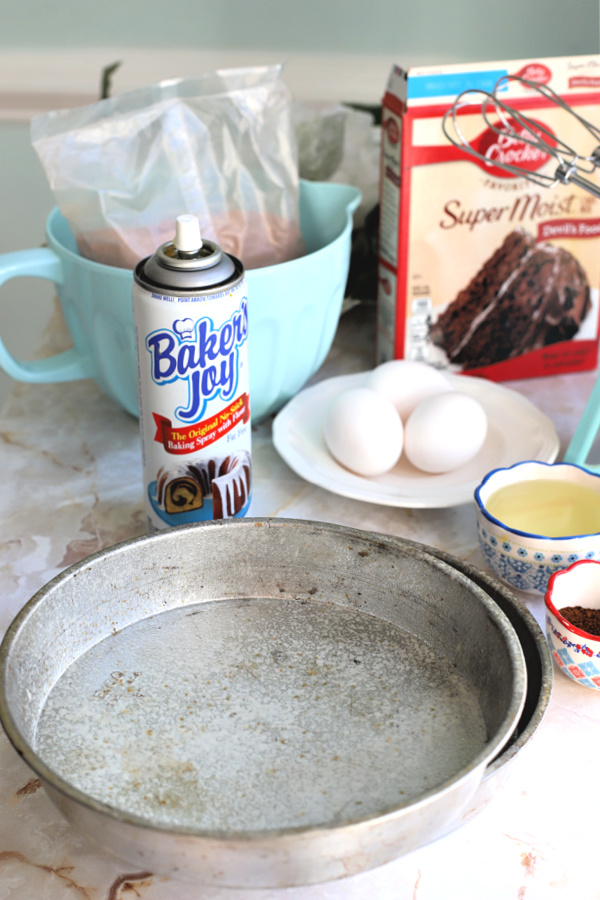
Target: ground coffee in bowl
point(586, 619)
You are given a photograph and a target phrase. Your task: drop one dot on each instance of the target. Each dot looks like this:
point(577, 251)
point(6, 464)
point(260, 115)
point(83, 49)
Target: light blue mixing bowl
point(294, 307)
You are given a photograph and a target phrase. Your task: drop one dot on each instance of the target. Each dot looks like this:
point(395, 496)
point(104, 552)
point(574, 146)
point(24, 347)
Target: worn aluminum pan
point(540, 677)
point(261, 703)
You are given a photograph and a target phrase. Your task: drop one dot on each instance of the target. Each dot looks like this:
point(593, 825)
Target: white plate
point(517, 430)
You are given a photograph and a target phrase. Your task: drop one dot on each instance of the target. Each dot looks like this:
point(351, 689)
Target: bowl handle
point(69, 365)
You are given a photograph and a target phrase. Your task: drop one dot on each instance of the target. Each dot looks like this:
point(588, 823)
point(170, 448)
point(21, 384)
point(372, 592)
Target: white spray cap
point(187, 234)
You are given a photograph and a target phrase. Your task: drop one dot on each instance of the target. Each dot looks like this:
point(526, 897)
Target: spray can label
point(192, 353)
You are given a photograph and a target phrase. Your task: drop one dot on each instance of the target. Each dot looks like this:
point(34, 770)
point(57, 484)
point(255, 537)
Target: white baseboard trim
point(37, 82)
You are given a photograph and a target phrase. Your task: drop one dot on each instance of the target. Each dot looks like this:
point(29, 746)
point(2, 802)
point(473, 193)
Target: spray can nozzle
point(187, 235)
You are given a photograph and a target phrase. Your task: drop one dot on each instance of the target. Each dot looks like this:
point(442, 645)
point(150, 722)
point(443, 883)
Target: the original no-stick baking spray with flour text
point(190, 306)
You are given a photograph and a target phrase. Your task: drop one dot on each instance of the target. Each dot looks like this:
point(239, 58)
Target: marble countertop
point(71, 485)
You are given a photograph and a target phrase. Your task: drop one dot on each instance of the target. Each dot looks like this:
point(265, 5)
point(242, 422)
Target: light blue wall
point(424, 29)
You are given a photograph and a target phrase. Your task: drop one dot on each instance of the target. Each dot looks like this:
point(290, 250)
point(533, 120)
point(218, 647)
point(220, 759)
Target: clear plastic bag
point(221, 146)
point(339, 144)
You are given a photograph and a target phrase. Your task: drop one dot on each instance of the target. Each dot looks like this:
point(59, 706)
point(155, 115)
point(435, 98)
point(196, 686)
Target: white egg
point(406, 383)
point(363, 431)
point(444, 432)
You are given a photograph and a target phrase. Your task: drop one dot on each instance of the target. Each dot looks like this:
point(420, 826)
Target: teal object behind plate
point(585, 433)
point(294, 307)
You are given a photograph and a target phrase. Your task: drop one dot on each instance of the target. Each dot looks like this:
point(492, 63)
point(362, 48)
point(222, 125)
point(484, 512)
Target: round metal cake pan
point(540, 677)
point(261, 702)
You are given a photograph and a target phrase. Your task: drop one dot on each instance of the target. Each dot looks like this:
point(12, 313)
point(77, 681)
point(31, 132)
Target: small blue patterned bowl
point(523, 559)
point(575, 652)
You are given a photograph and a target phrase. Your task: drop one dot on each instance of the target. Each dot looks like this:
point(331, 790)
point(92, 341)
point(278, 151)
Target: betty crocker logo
point(204, 356)
point(508, 145)
point(535, 71)
point(392, 130)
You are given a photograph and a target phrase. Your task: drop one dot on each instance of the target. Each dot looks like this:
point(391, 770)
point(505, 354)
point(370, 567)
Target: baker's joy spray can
point(190, 309)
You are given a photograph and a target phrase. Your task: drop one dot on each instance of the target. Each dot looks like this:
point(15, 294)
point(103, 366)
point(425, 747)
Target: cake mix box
point(481, 270)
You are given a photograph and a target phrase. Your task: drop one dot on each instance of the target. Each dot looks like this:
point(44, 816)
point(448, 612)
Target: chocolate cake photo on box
point(527, 295)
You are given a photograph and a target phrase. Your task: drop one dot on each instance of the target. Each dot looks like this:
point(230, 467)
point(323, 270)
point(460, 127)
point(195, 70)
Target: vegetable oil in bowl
point(547, 507)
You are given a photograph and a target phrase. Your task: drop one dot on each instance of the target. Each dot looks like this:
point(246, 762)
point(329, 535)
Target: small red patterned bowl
point(575, 652)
